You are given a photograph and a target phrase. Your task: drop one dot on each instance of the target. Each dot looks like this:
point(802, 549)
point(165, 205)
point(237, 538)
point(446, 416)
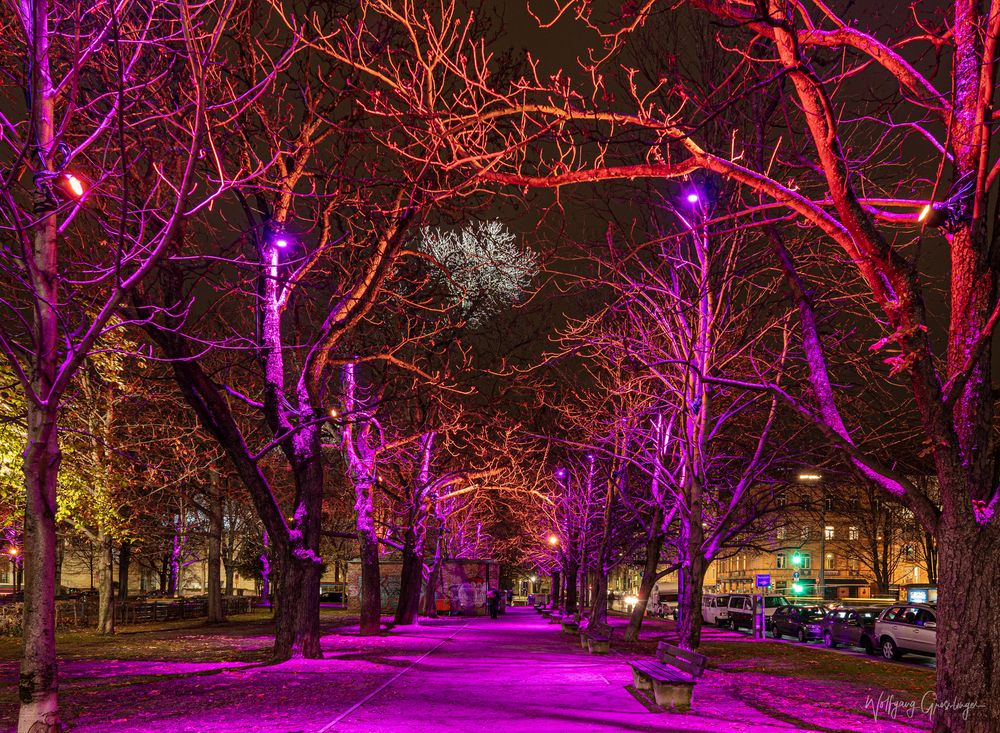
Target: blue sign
point(795, 575)
point(763, 580)
point(916, 596)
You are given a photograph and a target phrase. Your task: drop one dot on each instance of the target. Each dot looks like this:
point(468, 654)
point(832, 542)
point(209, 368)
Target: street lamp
point(693, 197)
point(553, 540)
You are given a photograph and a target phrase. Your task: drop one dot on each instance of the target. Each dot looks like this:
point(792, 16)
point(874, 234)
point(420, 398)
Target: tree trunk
point(164, 575)
point(410, 581)
point(106, 587)
point(430, 592)
point(39, 683)
point(968, 635)
point(230, 573)
point(599, 607)
point(554, 600)
point(689, 595)
point(653, 547)
point(124, 560)
point(570, 572)
point(60, 554)
point(215, 610)
point(371, 585)
point(265, 573)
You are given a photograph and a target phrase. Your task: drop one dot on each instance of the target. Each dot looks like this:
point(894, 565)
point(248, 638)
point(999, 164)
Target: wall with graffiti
point(461, 588)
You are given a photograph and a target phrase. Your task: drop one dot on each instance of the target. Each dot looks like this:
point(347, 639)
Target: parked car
point(853, 627)
point(331, 596)
point(715, 609)
point(907, 628)
point(802, 622)
point(741, 609)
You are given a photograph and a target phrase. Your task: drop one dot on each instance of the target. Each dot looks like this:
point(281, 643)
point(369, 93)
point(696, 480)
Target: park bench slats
point(671, 677)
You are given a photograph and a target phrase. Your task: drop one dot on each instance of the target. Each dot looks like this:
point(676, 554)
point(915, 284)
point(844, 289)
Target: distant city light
point(809, 477)
point(12, 552)
point(553, 540)
point(333, 413)
point(534, 578)
point(630, 601)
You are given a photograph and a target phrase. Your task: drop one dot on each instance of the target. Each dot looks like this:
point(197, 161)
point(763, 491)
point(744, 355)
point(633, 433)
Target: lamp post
point(821, 571)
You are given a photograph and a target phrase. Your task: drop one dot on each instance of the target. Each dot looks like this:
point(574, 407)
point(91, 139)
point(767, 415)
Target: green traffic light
point(796, 559)
point(797, 588)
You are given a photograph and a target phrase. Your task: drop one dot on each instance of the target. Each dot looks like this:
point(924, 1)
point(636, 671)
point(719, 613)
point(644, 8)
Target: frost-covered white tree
point(484, 269)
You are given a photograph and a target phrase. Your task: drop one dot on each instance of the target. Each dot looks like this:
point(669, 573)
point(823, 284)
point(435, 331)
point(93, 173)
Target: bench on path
point(671, 676)
point(571, 624)
point(596, 638)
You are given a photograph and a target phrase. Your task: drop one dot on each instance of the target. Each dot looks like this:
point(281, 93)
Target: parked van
point(741, 609)
point(715, 609)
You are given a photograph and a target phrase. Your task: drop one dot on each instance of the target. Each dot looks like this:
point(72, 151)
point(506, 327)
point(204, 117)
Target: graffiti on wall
point(466, 587)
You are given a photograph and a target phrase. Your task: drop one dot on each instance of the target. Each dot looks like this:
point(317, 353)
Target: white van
point(715, 609)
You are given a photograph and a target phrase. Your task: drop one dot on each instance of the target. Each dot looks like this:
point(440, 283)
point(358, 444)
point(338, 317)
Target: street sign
point(763, 580)
point(795, 575)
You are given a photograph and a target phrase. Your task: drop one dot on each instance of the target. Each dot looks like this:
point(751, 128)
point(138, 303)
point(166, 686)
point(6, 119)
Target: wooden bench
point(556, 617)
point(596, 638)
point(671, 676)
point(571, 624)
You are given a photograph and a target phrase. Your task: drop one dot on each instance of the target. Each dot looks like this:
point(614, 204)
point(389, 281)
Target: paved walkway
point(518, 673)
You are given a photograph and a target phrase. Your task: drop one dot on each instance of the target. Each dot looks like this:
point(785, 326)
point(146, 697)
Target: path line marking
point(377, 690)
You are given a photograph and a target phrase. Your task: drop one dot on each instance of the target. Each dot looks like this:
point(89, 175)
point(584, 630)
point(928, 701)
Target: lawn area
point(245, 639)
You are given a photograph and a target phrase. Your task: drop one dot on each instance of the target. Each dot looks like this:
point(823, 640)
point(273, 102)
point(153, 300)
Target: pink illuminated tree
point(108, 145)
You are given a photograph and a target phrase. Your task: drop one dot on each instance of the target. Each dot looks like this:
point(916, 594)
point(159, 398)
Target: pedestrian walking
point(493, 602)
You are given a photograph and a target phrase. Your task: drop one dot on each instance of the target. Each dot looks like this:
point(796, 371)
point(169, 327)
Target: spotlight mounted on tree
point(560, 473)
point(68, 186)
point(954, 210)
point(693, 197)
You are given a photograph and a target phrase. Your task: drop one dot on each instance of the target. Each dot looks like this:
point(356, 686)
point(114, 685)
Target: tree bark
point(124, 560)
point(371, 585)
point(570, 573)
point(689, 595)
point(599, 605)
point(410, 580)
point(106, 586)
point(968, 635)
point(430, 592)
point(653, 547)
point(215, 610)
point(38, 688)
point(554, 600)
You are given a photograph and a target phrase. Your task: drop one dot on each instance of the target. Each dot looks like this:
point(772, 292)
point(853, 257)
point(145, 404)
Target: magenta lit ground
point(515, 674)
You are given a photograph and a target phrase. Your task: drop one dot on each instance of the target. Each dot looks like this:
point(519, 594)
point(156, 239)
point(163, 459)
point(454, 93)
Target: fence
point(82, 613)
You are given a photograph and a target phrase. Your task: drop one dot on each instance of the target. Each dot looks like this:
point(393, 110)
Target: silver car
point(907, 628)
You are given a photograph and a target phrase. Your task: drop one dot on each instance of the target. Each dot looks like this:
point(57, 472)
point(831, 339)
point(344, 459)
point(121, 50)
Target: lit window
point(831, 561)
point(779, 533)
point(828, 532)
point(852, 533)
point(805, 534)
point(780, 558)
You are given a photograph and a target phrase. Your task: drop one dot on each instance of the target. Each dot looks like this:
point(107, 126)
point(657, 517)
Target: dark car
point(331, 596)
point(802, 622)
point(852, 627)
